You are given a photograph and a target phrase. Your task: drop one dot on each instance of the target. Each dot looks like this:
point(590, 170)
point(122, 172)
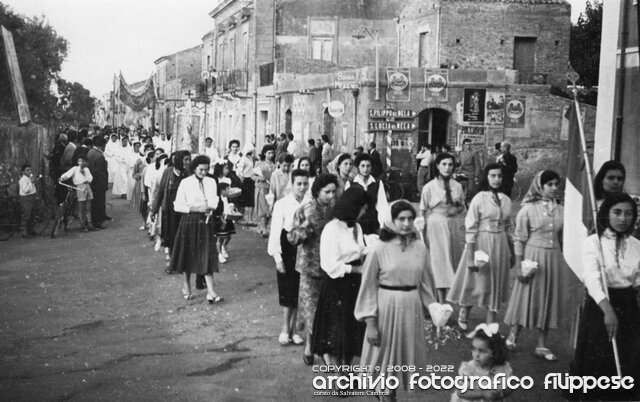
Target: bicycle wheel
point(43, 217)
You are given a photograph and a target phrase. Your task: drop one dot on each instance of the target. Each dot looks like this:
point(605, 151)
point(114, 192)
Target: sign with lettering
point(473, 106)
point(347, 80)
point(398, 85)
point(516, 111)
point(436, 85)
point(335, 109)
point(474, 133)
point(15, 77)
point(391, 125)
point(392, 113)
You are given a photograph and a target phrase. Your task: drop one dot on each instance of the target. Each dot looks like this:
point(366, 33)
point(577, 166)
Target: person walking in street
point(539, 300)
point(469, 170)
point(121, 180)
point(327, 153)
point(284, 255)
point(282, 145)
point(442, 206)
point(376, 161)
point(280, 178)
point(394, 296)
point(110, 153)
point(81, 177)
point(314, 215)
point(67, 162)
point(378, 204)
point(100, 171)
point(509, 167)
point(245, 172)
point(345, 165)
point(292, 146)
point(484, 282)
point(194, 250)
point(265, 166)
point(226, 228)
point(425, 158)
point(614, 251)
point(337, 335)
point(234, 155)
point(313, 156)
point(167, 191)
point(27, 192)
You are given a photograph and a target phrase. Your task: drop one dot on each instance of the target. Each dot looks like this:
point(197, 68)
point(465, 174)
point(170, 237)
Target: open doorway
point(433, 127)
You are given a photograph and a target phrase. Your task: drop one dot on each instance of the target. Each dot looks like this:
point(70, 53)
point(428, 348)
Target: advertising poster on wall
point(436, 85)
point(494, 108)
point(398, 85)
point(515, 111)
point(473, 111)
point(474, 133)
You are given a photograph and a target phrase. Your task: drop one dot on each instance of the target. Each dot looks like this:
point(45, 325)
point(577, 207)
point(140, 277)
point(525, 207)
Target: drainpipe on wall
point(397, 19)
point(617, 140)
point(439, 36)
point(355, 94)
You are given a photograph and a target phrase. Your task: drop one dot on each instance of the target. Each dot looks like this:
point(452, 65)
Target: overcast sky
point(107, 36)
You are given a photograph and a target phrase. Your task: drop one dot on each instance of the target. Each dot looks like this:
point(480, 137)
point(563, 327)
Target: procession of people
point(358, 273)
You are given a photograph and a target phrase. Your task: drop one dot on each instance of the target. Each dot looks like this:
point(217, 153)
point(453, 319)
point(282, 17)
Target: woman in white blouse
point(194, 250)
point(337, 335)
point(284, 255)
point(617, 316)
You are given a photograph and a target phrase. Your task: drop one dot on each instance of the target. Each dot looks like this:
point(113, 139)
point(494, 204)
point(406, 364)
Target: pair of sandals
point(285, 340)
point(540, 352)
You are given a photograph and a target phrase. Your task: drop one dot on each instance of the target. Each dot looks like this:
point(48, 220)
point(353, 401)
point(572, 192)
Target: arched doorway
point(433, 127)
point(288, 121)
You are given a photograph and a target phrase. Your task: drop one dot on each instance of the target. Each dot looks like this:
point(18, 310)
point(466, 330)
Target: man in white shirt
point(424, 157)
point(211, 152)
point(292, 147)
point(27, 200)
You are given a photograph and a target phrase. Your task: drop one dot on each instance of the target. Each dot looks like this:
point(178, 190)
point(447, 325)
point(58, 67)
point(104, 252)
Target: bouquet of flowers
point(529, 267)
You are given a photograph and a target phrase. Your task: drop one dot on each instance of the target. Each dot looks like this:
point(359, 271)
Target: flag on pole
point(578, 214)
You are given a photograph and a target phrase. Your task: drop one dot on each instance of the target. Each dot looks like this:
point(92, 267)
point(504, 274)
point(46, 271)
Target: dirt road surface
point(92, 316)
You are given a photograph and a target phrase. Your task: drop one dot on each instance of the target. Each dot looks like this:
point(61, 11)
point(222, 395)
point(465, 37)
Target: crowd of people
point(356, 273)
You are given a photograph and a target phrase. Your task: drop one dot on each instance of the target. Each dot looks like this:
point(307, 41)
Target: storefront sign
point(335, 109)
point(347, 80)
point(398, 85)
point(515, 111)
point(473, 107)
point(391, 125)
point(494, 108)
point(436, 87)
point(474, 133)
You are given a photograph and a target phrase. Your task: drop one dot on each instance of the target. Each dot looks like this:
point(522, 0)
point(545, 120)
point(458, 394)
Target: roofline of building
point(220, 7)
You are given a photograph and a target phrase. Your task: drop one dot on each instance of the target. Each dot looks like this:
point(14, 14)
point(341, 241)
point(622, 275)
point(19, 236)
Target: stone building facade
point(310, 58)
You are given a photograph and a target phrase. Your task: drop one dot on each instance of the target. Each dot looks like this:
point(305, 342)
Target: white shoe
point(167, 257)
point(166, 250)
point(222, 258)
point(156, 248)
point(223, 252)
point(142, 228)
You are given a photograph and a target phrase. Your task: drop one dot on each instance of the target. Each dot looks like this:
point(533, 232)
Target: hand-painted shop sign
point(335, 109)
point(399, 85)
point(347, 80)
point(436, 88)
point(392, 113)
point(391, 126)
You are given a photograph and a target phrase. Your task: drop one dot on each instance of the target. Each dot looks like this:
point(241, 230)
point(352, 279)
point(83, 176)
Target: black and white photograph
point(295, 200)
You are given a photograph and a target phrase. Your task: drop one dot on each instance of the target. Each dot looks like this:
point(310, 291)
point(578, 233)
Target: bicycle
point(45, 211)
point(66, 210)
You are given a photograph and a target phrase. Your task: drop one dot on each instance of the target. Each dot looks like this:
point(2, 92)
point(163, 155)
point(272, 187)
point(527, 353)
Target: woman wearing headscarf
point(488, 226)
point(337, 335)
point(194, 250)
point(538, 301)
point(396, 289)
point(166, 196)
point(442, 206)
point(315, 214)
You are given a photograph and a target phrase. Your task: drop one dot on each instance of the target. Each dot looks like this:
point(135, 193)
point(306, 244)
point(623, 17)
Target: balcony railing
point(231, 81)
point(526, 78)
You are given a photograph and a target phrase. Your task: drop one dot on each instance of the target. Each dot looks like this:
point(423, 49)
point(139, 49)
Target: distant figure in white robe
point(110, 151)
point(120, 178)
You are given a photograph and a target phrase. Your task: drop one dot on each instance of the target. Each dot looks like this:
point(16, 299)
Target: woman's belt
point(398, 288)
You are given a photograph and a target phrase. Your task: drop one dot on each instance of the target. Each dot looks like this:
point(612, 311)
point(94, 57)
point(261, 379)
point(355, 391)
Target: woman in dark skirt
point(284, 255)
point(194, 250)
point(165, 197)
point(337, 335)
point(617, 316)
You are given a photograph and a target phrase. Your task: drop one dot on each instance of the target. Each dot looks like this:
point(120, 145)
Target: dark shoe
point(108, 218)
point(99, 226)
point(307, 359)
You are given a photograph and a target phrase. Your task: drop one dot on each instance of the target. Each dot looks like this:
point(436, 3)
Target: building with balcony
point(451, 69)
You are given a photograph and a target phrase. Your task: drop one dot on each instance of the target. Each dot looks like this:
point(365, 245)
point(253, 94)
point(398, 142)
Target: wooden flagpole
point(573, 77)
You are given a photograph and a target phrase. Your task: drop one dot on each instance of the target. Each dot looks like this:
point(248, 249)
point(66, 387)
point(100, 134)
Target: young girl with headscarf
point(396, 290)
point(538, 300)
point(488, 224)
